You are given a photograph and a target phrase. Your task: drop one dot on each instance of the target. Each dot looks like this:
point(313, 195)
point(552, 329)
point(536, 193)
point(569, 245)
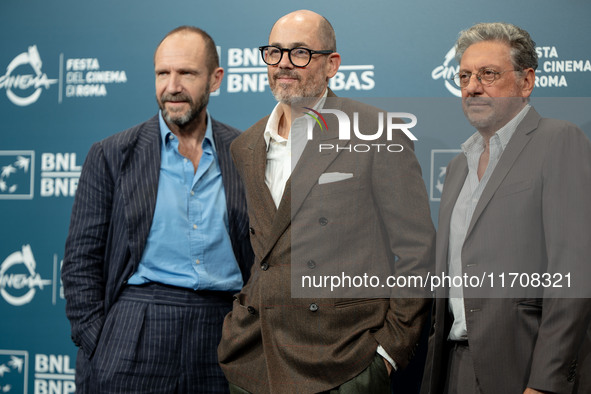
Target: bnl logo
point(13, 371)
point(440, 158)
point(16, 174)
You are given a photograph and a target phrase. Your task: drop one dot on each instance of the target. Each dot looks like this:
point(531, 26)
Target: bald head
point(318, 25)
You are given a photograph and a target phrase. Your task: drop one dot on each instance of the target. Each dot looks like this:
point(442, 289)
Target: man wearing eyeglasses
point(516, 200)
point(311, 212)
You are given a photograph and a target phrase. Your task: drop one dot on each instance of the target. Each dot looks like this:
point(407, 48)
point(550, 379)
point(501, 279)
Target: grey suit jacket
point(112, 216)
point(275, 343)
point(533, 216)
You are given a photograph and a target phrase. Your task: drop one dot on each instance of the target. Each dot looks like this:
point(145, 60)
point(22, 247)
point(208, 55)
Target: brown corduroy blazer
point(376, 221)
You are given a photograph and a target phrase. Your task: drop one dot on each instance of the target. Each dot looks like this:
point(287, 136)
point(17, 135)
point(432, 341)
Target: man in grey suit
point(516, 200)
point(158, 238)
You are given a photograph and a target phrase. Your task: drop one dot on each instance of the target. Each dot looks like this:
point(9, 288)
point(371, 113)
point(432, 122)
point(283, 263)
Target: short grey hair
point(523, 48)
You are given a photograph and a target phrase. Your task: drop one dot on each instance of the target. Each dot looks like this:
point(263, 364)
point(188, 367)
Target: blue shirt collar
point(165, 131)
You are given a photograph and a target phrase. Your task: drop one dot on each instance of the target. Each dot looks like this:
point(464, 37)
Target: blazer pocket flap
point(535, 303)
point(347, 302)
point(512, 188)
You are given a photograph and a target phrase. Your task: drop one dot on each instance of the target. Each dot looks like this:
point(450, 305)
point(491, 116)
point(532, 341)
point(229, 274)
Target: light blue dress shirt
point(189, 243)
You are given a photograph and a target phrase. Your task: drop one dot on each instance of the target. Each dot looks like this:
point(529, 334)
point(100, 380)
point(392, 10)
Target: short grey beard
point(297, 100)
point(191, 115)
point(183, 120)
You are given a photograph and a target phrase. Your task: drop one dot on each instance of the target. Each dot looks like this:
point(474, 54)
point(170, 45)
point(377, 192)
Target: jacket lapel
point(259, 164)
point(310, 166)
point(516, 144)
point(234, 195)
point(313, 163)
point(304, 176)
point(139, 175)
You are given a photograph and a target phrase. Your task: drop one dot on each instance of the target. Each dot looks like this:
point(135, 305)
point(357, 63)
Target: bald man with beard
point(273, 341)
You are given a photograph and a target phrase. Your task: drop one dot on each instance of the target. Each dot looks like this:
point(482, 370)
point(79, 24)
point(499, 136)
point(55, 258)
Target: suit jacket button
point(574, 364)
point(265, 266)
point(313, 307)
point(311, 264)
point(251, 310)
point(323, 221)
point(251, 230)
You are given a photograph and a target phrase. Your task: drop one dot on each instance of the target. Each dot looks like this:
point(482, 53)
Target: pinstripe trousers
point(159, 339)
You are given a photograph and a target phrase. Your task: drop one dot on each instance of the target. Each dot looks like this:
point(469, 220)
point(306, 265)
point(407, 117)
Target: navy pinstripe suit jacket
point(112, 216)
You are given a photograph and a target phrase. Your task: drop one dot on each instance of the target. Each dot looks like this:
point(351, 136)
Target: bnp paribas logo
point(24, 81)
point(440, 158)
point(16, 174)
point(13, 371)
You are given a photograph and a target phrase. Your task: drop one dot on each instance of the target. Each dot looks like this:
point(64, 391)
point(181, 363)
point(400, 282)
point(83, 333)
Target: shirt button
point(194, 227)
point(311, 264)
point(251, 310)
point(197, 261)
point(323, 221)
point(192, 193)
point(265, 266)
point(313, 307)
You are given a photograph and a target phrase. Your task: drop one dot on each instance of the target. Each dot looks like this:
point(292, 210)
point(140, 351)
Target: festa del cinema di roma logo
point(83, 77)
point(553, 71)
point(18, 285)
point(14, 82)
point(446, 71)
point(315, 116)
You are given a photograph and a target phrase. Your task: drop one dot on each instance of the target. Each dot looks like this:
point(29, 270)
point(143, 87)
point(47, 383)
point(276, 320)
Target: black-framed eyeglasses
point(298, 56)
point(486, 76)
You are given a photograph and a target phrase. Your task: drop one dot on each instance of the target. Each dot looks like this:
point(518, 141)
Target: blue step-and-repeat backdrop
point(74, 72)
